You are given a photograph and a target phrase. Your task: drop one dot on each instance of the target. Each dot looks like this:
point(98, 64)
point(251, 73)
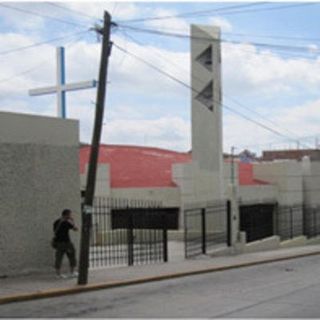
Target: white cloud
point(96, 9)
point(313, 48)
point(172, 24)
point(164, 132)
point(294, 122)
point(302, 119)
point(223, 23)
point(133, 75)
point(21, 21)
point(246, 70)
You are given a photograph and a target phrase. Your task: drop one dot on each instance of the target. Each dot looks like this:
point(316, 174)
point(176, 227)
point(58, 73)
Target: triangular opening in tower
point(205, 58)
point(206, 96)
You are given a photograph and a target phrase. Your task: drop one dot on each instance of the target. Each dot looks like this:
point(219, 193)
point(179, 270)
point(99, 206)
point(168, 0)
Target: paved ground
point(287, 289)
point(36, 286)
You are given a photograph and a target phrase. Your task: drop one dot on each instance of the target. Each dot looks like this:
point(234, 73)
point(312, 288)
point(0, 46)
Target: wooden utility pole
point(94, 154)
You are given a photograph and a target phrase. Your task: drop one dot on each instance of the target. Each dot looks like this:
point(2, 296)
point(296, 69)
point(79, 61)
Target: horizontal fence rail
point(289, 221)
point(122, 233)
point(311, 223)
point(205, 228)
point(257, 220)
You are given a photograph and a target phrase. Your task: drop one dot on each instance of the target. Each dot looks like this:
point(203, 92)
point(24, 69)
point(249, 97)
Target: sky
point(270, 69)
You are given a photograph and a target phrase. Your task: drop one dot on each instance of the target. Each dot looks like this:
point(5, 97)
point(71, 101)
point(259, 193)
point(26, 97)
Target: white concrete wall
point(286, 176)
point(255, 194)
point(197, 185)
point(311, 182)
point(270, 243)
point(39, 177)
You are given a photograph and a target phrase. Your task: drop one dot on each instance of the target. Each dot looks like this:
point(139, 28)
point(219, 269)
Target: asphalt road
point(288, 289)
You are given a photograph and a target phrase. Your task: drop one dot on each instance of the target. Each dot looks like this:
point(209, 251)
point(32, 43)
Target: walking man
point(63, 244)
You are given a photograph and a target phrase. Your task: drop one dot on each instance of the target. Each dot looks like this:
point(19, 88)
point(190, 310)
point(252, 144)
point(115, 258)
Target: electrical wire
point(158, 54)
point(276, 37)
point(221, 11)
point(40, 43)
point(270, 9)
point(305, 56)
point(37, 66)
point(189, 87)
point(277, 143)
point(41, 15)
point(235, 34)
point(187, 36)
point(76, 12)
point(259, 115)
point(192, 13)
point(24, 72)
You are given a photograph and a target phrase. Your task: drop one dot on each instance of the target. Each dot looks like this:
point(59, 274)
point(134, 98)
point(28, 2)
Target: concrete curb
point(108, 285)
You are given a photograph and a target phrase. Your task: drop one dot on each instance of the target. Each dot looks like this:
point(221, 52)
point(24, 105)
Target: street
point(284, 289)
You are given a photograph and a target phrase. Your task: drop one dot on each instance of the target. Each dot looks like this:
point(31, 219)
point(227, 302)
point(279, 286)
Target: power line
point(277, 37)
point(36, 67)
point(40, 43)
point(259, 115)
point(187, 36)
point(158, 54)
point(223, 11)
point(191, 13)
point(277, 142)
point(24, 72)
point(269, 36)
point(305, 55)
point(79, 13)
point(270, 9)
point(189, 87)
point(41, 15)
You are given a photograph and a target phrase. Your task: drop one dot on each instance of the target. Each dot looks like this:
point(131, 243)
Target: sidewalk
point(43, 286)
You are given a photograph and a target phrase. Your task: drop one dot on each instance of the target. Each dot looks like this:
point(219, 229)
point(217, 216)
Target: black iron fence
point(311, 221)
point(289, 221)
point(206, 227)
point(257, 220)
point(128, 232)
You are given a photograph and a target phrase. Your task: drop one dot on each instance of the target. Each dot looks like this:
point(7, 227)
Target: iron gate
point(257, 221)
point(123, 233)
point(206, 228)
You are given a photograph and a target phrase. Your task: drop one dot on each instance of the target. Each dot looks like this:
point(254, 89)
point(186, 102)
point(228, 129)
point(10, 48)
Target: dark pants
point(68, 249)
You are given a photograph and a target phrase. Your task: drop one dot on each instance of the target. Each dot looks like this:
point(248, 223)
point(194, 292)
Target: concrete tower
point(206, 106)
point(206, 97)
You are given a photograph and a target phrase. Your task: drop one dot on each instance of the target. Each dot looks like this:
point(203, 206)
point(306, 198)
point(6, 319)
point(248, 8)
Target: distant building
point(293, 154)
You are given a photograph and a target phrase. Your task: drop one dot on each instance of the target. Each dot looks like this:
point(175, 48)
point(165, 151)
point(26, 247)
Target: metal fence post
point(130, 241)
point(203, 227)
point(314, 222)
point(165, 238)
point(304, 221)
point(185, 234)
point(229, 234)
point(291, 223)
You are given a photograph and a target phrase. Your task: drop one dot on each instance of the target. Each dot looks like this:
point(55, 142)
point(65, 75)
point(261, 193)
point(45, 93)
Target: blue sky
point(145, 108)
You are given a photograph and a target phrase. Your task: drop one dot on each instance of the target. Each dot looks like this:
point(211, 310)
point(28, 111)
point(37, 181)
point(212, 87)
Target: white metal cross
point(61, 87)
